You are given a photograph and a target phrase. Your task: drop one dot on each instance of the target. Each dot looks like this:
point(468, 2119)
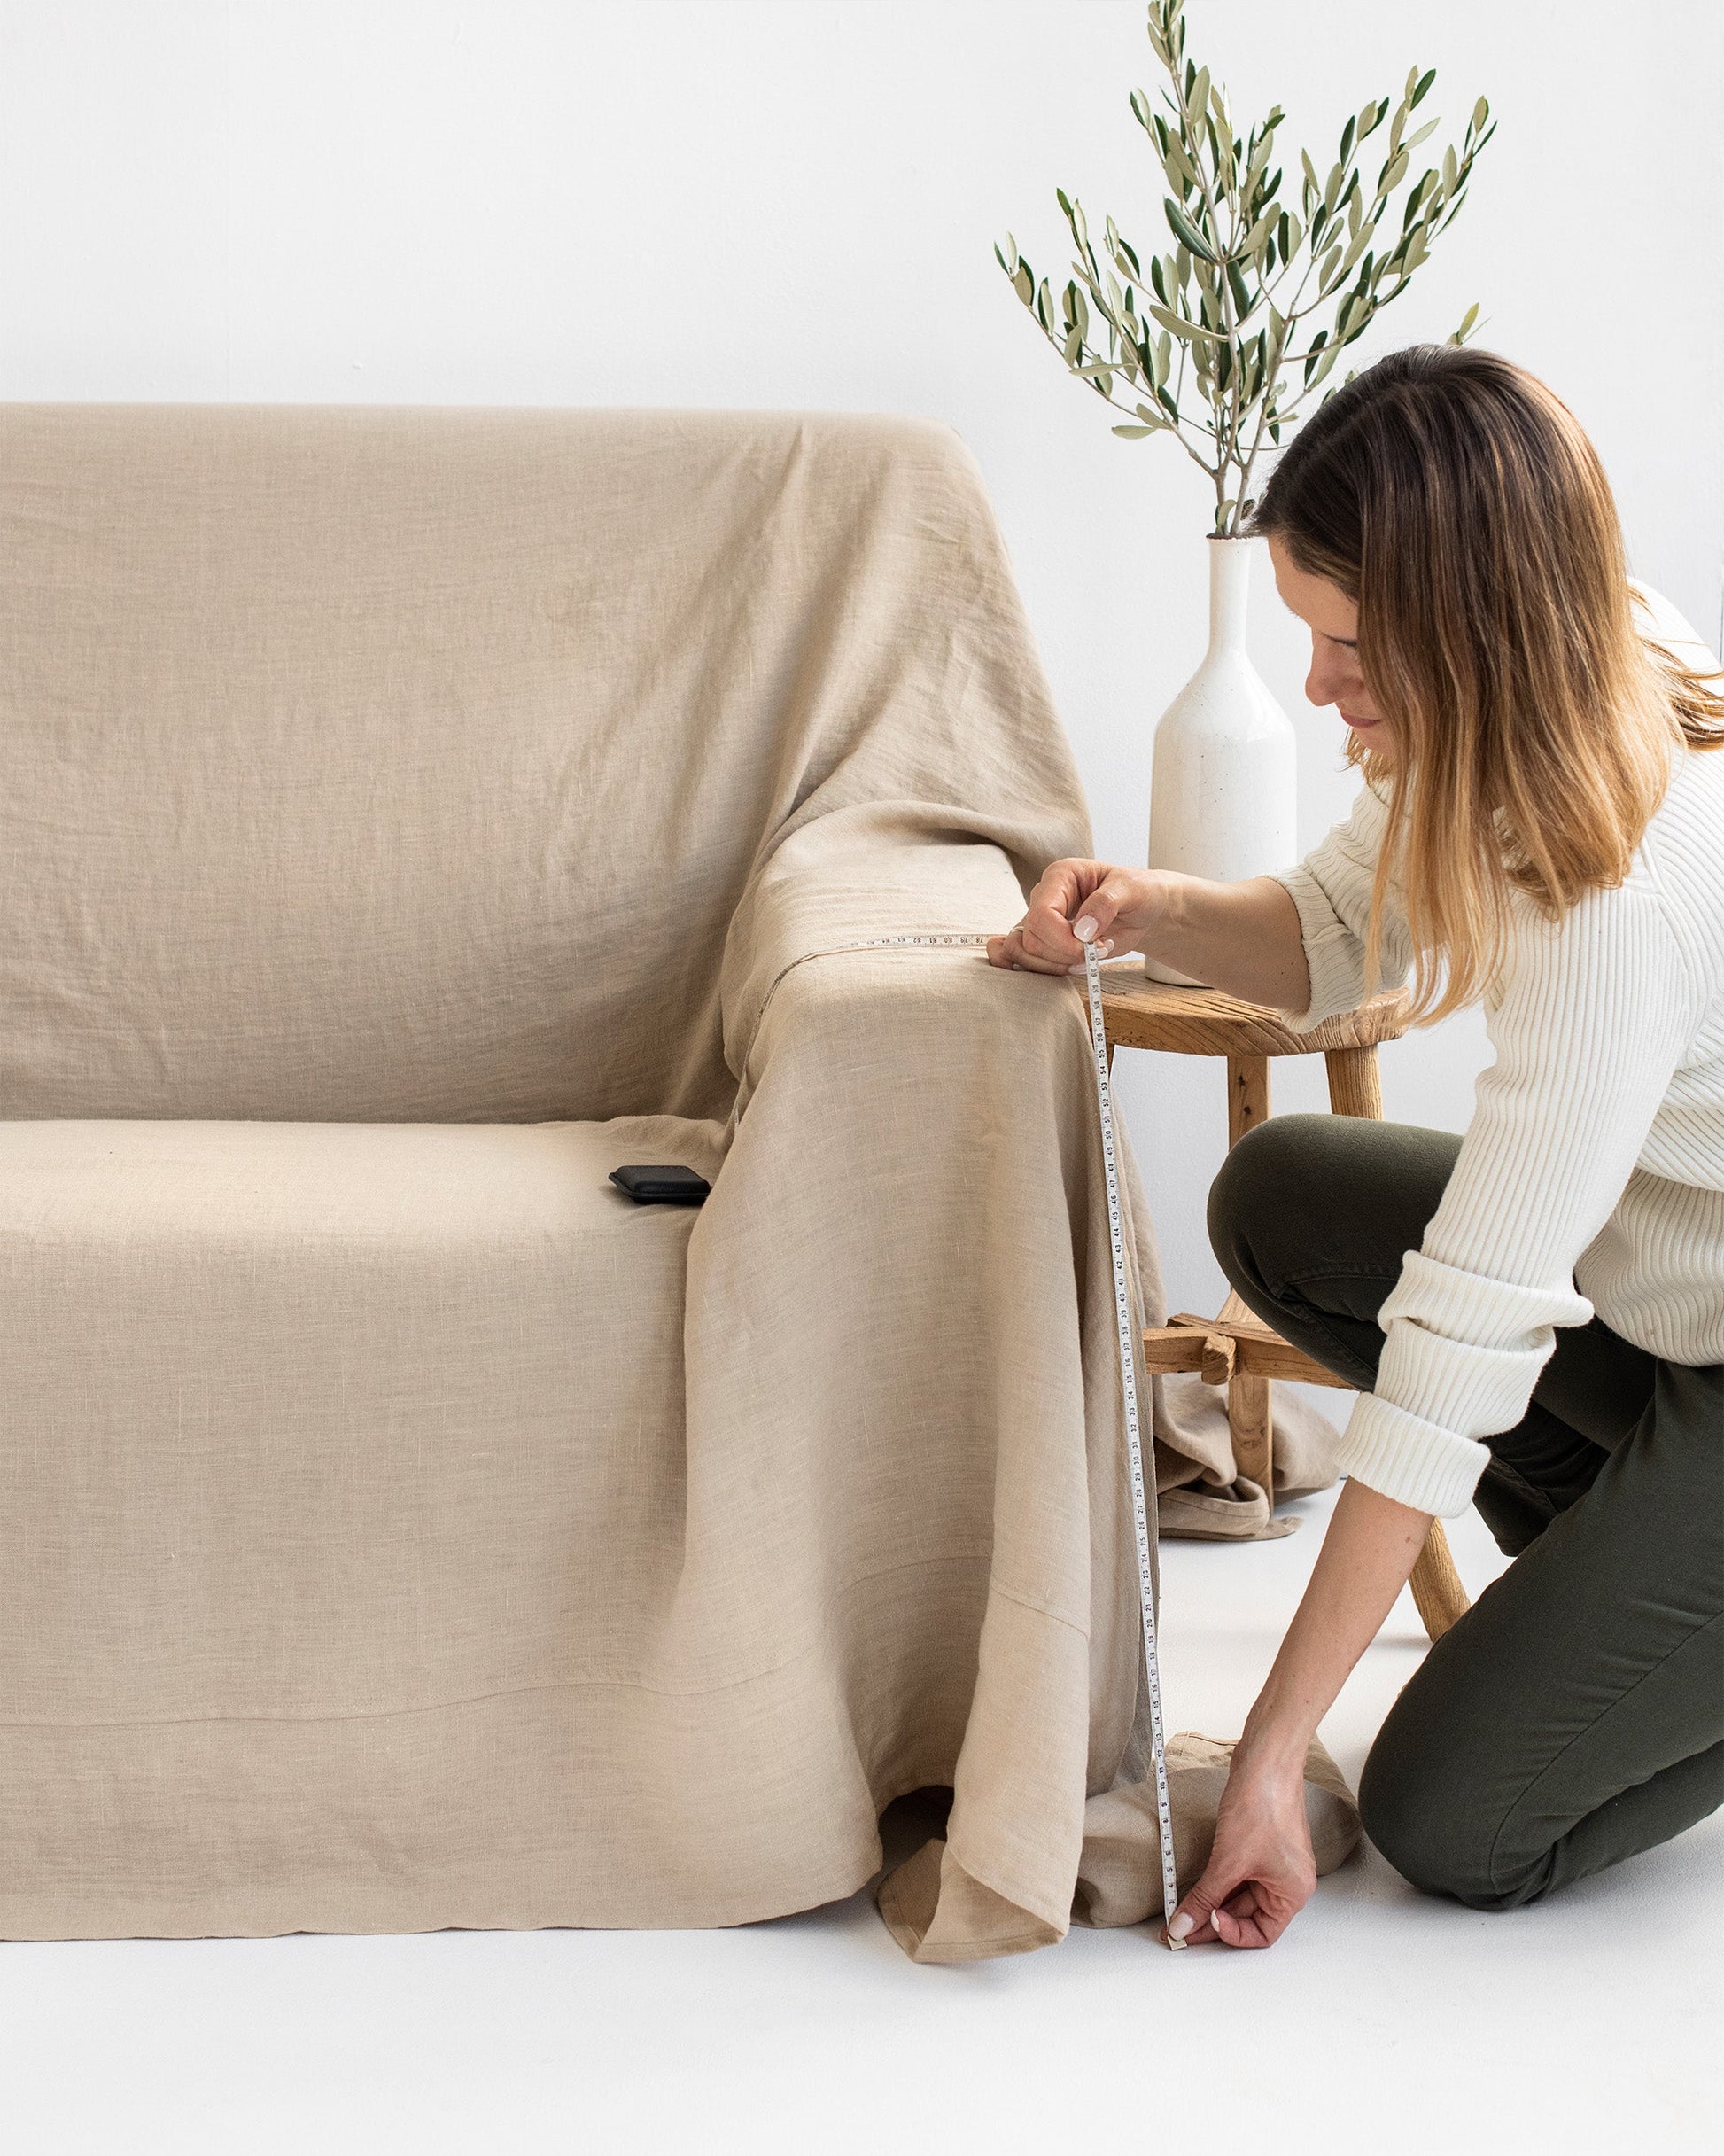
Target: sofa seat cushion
point(332, 1419)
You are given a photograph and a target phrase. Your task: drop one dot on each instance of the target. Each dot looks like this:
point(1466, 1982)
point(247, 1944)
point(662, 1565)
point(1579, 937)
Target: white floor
point(1381, 2021)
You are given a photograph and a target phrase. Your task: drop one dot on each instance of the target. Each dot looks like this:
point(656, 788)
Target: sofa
point(411, 816)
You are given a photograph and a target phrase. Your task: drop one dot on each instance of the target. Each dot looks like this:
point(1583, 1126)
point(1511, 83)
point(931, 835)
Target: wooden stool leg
point(1254, 1440)
point(1436, 1584)
point(1249, 1414)
point(1248, 1094)
point(1355, 1089)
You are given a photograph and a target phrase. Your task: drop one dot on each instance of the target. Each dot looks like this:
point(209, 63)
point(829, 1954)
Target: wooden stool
point(1237, 1348)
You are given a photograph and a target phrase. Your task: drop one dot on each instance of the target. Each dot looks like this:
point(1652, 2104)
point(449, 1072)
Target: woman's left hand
point(1261, 1872)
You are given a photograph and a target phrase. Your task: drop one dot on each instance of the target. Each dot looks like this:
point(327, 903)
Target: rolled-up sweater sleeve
point(1331, 889)
point(1595, 1015)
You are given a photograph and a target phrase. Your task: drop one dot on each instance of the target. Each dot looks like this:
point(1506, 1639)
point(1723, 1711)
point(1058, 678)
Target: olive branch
point(1234, 301)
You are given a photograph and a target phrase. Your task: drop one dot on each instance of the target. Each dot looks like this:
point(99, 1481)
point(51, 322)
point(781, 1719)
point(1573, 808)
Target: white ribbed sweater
point(1591, 1176)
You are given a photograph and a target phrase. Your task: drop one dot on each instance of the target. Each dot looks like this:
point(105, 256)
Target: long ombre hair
point(1457, 500)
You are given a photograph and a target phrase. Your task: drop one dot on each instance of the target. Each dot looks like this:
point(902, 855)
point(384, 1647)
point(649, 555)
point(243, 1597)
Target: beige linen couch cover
point(409, 816)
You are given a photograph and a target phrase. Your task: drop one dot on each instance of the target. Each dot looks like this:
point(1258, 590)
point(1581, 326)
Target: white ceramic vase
point(1222, 787)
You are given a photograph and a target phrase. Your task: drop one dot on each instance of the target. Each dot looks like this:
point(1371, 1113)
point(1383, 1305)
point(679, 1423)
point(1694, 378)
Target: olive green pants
point(1575, 1715)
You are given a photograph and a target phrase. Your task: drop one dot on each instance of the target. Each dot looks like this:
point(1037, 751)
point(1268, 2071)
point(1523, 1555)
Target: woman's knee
point(1304, 1192)
point(1429, 1807)
point(1423, 1822)
point(1260, 1191)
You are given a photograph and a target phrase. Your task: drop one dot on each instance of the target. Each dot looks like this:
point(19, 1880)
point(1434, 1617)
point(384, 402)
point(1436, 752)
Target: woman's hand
point(1261, 1872)
point(1078, 902)
point(1243, 937)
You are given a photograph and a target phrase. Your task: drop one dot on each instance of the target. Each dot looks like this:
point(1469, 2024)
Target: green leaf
point(1415, 201)
point(1425, 82)
point(1186, 232)
point(1192, 333)
point(1362, 238)
point(1241, 296)
point(1176, 165)
point(1467, 321)
point(1131, 433)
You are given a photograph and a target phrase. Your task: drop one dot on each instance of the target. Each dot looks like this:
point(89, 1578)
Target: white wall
point(794, 203)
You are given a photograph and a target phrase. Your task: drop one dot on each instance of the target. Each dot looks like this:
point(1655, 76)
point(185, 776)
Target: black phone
point(662, 1185)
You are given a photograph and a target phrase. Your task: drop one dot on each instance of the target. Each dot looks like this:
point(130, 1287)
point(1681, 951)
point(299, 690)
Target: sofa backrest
point(409, 763)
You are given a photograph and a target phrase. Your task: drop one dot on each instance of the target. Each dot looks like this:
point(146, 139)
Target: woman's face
point(1333, 621)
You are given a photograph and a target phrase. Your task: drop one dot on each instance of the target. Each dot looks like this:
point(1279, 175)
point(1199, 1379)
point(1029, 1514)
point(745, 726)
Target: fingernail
point(1104, 950)
point(1182, 1925)
point(1084, 928)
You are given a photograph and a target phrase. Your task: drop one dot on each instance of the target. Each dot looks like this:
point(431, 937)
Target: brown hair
point(1457, 500)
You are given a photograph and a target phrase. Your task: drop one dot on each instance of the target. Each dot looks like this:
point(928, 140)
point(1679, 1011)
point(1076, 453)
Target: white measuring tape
point(1129, 1382)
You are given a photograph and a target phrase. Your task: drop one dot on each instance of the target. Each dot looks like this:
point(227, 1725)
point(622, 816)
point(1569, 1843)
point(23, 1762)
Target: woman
point(1541, 827)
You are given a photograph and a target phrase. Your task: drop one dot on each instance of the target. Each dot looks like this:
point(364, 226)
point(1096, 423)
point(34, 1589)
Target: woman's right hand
point(1261, 1872)
point(1078, 902)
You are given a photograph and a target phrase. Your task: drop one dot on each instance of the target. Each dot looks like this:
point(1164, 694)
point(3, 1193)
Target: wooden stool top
point(1140, 1012)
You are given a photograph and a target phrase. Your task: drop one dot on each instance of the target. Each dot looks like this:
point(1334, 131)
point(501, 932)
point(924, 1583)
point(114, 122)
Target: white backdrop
point(794, 203)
